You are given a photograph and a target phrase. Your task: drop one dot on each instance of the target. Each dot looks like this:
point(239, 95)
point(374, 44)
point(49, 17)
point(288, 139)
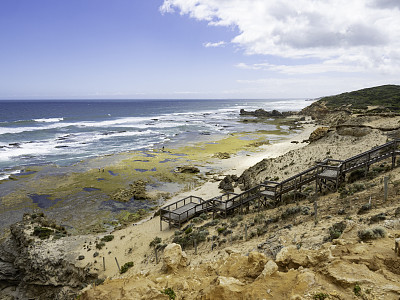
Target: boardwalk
point(328, 174)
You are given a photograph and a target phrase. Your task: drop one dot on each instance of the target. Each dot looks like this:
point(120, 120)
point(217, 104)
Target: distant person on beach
point(162, 148)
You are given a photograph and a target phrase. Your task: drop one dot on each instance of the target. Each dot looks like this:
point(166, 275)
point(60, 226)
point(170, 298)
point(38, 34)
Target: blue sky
point(195, 49)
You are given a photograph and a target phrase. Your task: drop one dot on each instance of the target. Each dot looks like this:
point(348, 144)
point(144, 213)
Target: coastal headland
point(336, 244)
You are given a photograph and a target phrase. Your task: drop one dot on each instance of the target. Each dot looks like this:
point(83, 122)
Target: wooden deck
point(328, 174)
point(181, 211)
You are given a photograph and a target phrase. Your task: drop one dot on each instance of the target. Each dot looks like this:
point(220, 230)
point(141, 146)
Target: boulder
point(256, 262)
point(224, 288)
point(227, 184)
point(174, 258)
point(270, 268)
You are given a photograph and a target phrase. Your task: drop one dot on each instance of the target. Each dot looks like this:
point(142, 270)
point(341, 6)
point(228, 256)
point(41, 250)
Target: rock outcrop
point(136, 190)
point(227, 184)
point(261, 113)
point(318, 133)
point(174, 258)
point(35, 265)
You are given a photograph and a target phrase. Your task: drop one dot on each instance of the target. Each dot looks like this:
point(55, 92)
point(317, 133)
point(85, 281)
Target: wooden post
point(119, 269)
point(104, 263)
point(156, 253)
point(385, 187)
point(315, 212)
point(245, 232)
point(160, 221)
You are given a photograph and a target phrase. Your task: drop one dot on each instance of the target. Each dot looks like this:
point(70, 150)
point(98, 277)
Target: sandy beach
point(133, 242)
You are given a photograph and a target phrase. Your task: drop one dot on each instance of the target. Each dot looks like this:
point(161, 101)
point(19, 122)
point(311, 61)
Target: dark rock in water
point(227, 184)
point(34, 268)
point(136, 190)
point(16, 145)
point(61, 146)
point(187, 169)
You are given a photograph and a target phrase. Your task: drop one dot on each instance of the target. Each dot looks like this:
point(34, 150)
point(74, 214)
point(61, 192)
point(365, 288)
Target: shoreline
point(143, 232)
point(52, 189)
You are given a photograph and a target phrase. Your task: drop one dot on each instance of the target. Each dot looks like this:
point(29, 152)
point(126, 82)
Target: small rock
point(187, 169)
point(81, 257)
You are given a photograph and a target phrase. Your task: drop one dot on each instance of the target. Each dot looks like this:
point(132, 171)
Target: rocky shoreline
point(284, 246)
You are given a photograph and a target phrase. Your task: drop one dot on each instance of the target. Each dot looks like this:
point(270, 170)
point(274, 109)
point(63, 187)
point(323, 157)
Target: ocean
point(65, 132)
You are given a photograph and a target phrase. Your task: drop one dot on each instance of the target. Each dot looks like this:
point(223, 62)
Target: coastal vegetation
point(384, 98)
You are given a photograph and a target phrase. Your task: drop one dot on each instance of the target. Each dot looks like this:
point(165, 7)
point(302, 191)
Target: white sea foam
point(7, 174)
point(49, 120)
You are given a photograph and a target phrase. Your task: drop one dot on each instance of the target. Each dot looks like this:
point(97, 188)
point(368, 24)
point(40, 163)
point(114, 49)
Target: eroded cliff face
point(36, 262)
point(335, 270)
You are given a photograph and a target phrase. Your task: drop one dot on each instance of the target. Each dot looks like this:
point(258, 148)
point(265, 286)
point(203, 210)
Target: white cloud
point(214, 45)
point(344, 36)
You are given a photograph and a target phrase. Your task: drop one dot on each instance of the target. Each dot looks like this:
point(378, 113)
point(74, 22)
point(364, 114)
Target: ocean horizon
point(64, 132)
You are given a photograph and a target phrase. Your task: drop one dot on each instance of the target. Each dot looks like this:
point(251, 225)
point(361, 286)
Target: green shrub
point(259, 219)
point(364, 208)
point(221, 230)
point(203, 216)
point(100, 245)
point(170, 293)
point(357, 290)
point(42, 232)
point(291, 211)
point(336, 230)
point(188, 230)
point(356, 175)
point(372, 233)
point(107, 238)
point(178, 232)
point(198, 235)
point(197, 220)
point(262, 230)
point(126, 267)
point(320, 296)
point(157, 240)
